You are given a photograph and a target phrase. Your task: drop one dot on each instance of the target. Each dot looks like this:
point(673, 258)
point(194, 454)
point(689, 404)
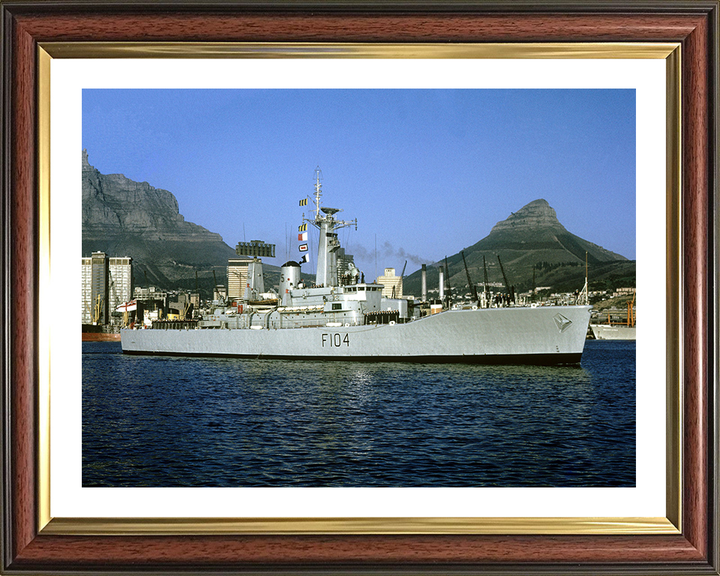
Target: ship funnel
point(442, 285)
point(289, 279)
point(255, 283)
point(424, 282)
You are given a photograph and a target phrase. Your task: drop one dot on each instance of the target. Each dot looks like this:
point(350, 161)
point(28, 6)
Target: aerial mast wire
point(587, 286)
point(507, 284)
point(473, 290)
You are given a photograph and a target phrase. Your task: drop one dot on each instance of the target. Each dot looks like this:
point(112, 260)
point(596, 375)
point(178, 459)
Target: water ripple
point(230, 422)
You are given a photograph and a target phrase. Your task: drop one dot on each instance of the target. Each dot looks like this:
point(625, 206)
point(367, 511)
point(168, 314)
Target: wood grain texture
point(696, 205)
point(321, 27)
point(226, 551)
point(22, 292)
point(670, 554)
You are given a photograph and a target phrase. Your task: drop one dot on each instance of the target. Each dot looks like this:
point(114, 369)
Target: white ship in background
point(343, 317)
point(615, 331)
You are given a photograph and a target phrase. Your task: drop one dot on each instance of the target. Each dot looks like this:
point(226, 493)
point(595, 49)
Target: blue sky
point(426, 172)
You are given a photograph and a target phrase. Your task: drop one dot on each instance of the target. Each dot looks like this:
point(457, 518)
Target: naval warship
point(342, 317)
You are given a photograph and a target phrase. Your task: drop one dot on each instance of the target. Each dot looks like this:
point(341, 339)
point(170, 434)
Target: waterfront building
point(628, 291)
point(106, 283)
point(121, 282)
point(237, 277)
point(392, 285)
point(344, 262)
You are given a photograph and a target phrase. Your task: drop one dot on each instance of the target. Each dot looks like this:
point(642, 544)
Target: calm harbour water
point(166, 421)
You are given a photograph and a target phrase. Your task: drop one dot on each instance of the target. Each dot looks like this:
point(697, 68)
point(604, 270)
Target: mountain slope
point(532, 238)
point(122, 217)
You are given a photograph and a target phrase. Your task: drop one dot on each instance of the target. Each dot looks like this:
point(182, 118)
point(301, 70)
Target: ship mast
point(328, 243)
point(318, 192)
point(584, 296)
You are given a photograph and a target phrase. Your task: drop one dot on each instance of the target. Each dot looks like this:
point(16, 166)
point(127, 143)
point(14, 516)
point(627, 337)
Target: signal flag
point(302, 227)
point(302, 237)
point(305, 258)
point(303, 247)
point(303, 202)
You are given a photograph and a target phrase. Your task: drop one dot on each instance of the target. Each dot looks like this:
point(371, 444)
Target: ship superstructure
point(341, 316)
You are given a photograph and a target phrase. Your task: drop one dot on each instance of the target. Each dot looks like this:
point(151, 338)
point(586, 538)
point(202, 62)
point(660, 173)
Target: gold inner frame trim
point(44, 304)
point(566, 50)
point(673, 311)
point(269, 526)
point(436, 525)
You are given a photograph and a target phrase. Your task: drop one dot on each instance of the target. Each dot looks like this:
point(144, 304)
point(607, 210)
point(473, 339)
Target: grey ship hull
point(541, 335)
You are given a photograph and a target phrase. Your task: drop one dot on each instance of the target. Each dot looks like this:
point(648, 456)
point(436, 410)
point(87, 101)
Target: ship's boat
point(342, 317)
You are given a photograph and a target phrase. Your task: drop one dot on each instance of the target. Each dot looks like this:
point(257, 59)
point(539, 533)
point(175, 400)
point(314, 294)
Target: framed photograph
point(639, 79)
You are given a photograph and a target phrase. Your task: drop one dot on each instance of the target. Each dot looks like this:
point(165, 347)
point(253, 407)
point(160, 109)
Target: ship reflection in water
point(166, 421)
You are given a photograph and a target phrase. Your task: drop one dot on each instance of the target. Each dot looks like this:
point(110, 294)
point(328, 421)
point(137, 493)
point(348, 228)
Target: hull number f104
point(335, 340)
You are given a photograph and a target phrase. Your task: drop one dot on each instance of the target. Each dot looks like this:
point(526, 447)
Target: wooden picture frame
point(30, 548)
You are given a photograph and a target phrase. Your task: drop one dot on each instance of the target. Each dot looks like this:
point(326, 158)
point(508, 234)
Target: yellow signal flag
point(303, 202)
point(302, 228)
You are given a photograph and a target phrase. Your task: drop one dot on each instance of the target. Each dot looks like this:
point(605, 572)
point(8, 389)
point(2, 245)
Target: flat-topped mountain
point(532, 239)
point(122, 217)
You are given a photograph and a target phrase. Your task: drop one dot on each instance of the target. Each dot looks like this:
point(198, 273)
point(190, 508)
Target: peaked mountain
point(533, 241)
point(536, 226)
point(122, 217)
